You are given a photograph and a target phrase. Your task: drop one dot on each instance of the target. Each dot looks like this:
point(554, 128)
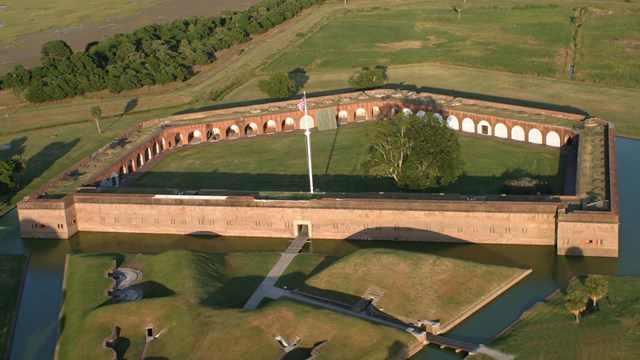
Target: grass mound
point(549, 330)
point(416, 286)
point(197, 299)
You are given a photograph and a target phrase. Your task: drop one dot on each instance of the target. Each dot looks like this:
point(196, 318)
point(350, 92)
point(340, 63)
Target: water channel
point(36, 329)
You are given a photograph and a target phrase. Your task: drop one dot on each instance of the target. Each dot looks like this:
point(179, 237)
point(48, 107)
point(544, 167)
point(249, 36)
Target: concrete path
point(570, 176)
point(267, 287)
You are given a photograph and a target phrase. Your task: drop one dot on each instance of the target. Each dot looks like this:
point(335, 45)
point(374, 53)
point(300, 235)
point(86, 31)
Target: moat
point(36, 329)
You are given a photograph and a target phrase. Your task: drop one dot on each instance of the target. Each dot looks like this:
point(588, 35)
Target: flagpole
point(307, 133)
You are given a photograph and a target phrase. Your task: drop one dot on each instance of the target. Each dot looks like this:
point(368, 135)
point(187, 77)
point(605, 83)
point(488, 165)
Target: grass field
point(278, 163)
point(197, 298)
point(404, 277)
point(11, 267)
point(525, 37)
point(549, 330)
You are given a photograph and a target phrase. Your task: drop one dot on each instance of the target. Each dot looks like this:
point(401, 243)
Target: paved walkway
point(570, 176)
point(494, 353)
point(267, 287)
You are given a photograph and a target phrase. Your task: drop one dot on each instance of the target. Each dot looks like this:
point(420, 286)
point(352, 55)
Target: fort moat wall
point(574, 232)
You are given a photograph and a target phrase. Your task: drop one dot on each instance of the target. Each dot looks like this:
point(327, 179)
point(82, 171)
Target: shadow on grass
point(153, 289)
point(232, 293)
point(121, 346)
point(227, 181)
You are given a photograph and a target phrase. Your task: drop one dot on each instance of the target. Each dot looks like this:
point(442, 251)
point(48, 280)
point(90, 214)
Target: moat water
point(36, 329)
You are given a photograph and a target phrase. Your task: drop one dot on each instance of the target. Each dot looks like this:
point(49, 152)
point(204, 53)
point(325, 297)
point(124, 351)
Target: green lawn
point(197, 298)
point(11, 267)
point(278, 163)
point(549, 330)
point(415, 286)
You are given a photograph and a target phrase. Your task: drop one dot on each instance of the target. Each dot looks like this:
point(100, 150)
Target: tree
point(8, 171)
point(96, 114)
point(458, 9)
point(596, 287)
point(576, 302)
point(369, 78)
point(54, 51)
point(417, 152)
point(279, 85)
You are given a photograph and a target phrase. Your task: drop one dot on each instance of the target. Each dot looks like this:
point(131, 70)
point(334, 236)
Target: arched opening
point(288, 124)
point(178, 139)
point(452, 122)
point(122, 172)
point(233, 132)
point(213, 134)
point(361, 114)
point(155, 149)
point(501, 131)
point(147, 155)
point(269, 127)
point(343, 117)
point(131, 167)
point(162, 145)
point(439, 117)
point(195, 137)
point(468, 125)
point(517, 133)
point(306, 122)
point(139, 161)
point(552, 139)
point(421, 114)
point(484, 128)
point(170, 145)
point(407, 112)
point(375, 112)
point(251, 129)
point(535, 136)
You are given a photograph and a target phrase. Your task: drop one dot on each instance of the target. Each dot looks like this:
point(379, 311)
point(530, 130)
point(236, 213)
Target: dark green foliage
point(417, 152)
point(154, 54)
point(369, 78)
point(8, 171)
point(596, 287)
point(279, 85)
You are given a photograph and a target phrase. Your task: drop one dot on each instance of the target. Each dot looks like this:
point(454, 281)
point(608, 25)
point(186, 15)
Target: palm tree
point(96, 114)
point(458, 9)
point(576, 302)
point(596, 287)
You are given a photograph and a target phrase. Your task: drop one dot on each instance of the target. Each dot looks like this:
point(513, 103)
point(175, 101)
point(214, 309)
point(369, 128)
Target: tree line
point(154, 54)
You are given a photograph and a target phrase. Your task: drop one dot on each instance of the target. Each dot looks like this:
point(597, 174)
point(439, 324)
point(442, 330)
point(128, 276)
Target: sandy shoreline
point(27, 50)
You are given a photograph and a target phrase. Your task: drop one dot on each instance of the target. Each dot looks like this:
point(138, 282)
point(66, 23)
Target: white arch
point(439, 117)
point(361, 112)
point(467, 125)
point(375, 111)
point(517, 133)
point(343, 114)
point(234, 129)
point(307, 121)
point(535, 136)
point(214, 134)
point(480, 128)
point(271, 124)
point(421, 114)
point(552, 139)
point(501, 131)
point(253, 126)
point(407, 112)
point(196, 137)
point(452, 122)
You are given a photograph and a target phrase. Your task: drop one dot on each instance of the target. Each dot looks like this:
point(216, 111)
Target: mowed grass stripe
point(278, 163)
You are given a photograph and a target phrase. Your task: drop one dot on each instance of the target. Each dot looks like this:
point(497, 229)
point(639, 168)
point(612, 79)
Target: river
point(36, 329)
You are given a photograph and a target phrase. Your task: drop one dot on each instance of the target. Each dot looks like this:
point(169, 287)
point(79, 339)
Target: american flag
point(303, 103)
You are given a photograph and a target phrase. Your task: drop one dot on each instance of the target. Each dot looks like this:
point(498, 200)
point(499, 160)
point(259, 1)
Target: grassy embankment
point(11, 267)
point(404, 277)
point(278, 163)
point(549, 330)
point(473, 45)
point(197, 298)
